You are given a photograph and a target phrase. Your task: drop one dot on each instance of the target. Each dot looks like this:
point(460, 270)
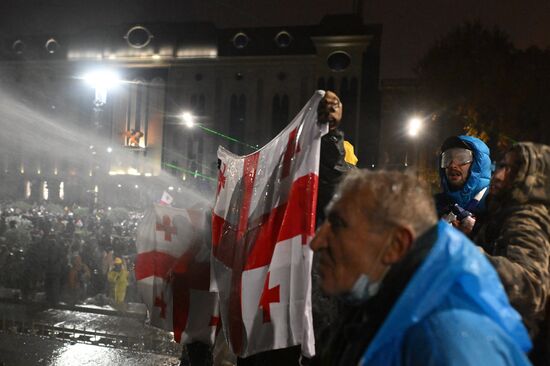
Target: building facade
point(72, 142)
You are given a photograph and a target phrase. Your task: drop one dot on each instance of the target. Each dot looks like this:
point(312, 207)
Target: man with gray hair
point(418, 291)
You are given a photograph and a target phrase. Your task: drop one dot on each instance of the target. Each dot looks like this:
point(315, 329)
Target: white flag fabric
point(262, 223)
point(173, 272)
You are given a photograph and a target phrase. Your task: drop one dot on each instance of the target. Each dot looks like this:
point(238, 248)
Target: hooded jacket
point(478, 179)
point(516, 237)
point(442, 304)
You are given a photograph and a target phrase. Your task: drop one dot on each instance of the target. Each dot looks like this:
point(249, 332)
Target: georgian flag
point(173, 272)
point(166, 199)
point(262, 223)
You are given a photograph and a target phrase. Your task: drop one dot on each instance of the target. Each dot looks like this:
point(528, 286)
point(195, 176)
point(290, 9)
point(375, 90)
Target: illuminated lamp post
point(102, 80)
point(188, 119)
point(415, 126)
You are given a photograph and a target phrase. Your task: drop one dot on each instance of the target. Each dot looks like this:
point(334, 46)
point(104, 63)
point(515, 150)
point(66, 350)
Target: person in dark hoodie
point(516, 237)
point(465, 172)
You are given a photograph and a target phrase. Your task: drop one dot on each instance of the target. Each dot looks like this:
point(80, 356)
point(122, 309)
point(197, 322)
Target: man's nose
point(498, 174)
point(320, 240)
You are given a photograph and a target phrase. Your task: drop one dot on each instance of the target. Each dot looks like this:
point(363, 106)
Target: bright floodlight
point(102, 79)
point(109, 149)
point(188, 119)
point(414, 127)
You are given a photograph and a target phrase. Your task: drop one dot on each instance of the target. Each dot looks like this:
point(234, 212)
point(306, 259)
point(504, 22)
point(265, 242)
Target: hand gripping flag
point(262, 223)
point(173, 272)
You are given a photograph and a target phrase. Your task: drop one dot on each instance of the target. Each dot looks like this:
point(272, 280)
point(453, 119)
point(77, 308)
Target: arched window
point(202, 105)
point(137, 114)
point(330, 84)
point(198, 104)
point(198, 107)
point(348, 93)
point(275, 114)
point(279, 114)
point(321, 84)
point(237, 117)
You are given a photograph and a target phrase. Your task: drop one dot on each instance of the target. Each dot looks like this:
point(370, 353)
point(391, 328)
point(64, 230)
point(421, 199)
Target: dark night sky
point(410, 26)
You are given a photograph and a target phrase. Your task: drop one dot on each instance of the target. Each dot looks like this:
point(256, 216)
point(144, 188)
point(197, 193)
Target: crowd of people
point(469, 289)
point(68, 255)
point(407, 278)
point(459, 278)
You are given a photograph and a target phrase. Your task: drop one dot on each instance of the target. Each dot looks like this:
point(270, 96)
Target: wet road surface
point(34, 335)
point(31, 350)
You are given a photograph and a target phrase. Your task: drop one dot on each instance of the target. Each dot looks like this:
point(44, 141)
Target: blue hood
point(480, 173)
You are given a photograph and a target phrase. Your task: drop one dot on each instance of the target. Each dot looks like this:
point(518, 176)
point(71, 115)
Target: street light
point(101, 81)
point(414, 126)
point(188, 119)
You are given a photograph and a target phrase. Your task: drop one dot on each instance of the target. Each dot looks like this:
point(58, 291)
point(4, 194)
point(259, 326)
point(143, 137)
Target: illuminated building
point(241, 82)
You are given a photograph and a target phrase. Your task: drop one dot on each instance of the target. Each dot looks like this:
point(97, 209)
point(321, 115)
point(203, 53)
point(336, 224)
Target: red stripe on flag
point(293, 218)
point(290, 151)
point(249, 176)
point(186, 275)
point(153, 264)
point(217, 226)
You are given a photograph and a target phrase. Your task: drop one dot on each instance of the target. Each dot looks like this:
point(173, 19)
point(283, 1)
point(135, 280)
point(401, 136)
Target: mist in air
point(49, 129)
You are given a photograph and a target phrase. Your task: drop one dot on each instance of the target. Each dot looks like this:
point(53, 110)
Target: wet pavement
point(30, 350)
point(32, 334)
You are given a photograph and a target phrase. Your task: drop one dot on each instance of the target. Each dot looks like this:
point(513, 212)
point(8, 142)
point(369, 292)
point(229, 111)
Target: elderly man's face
point(348, 246)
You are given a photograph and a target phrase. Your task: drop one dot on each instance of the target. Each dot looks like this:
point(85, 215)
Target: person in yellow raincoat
point(118, 281)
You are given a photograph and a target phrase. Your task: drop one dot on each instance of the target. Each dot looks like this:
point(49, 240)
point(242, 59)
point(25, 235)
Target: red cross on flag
point(173, 272)
point(262, 223)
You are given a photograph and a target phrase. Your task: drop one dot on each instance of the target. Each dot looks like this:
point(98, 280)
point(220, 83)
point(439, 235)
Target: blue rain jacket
point(454, 311)
point(480, 176)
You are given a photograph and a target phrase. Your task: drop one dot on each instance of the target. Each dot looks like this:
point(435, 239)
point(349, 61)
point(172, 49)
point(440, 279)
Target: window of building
point(62, 191)
point(321, 84)
point(45, 191)
point(28, 189)
point(279, 113)
point(237, 116)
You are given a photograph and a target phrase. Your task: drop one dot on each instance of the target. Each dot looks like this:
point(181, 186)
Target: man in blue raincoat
point(465, 172)
point(418, 292)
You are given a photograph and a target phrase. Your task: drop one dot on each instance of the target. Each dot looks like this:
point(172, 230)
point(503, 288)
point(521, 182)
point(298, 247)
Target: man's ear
point(402, 239)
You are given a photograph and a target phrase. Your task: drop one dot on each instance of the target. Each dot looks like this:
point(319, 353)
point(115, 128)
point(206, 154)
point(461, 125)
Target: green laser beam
point(180, 155)
point(195, 173)
point(227, 137)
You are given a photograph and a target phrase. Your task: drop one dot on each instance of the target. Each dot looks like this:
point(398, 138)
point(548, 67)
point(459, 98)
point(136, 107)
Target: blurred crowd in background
point(70, 255)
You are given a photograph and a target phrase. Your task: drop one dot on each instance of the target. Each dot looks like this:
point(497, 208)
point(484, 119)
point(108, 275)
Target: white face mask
point(364, 288)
